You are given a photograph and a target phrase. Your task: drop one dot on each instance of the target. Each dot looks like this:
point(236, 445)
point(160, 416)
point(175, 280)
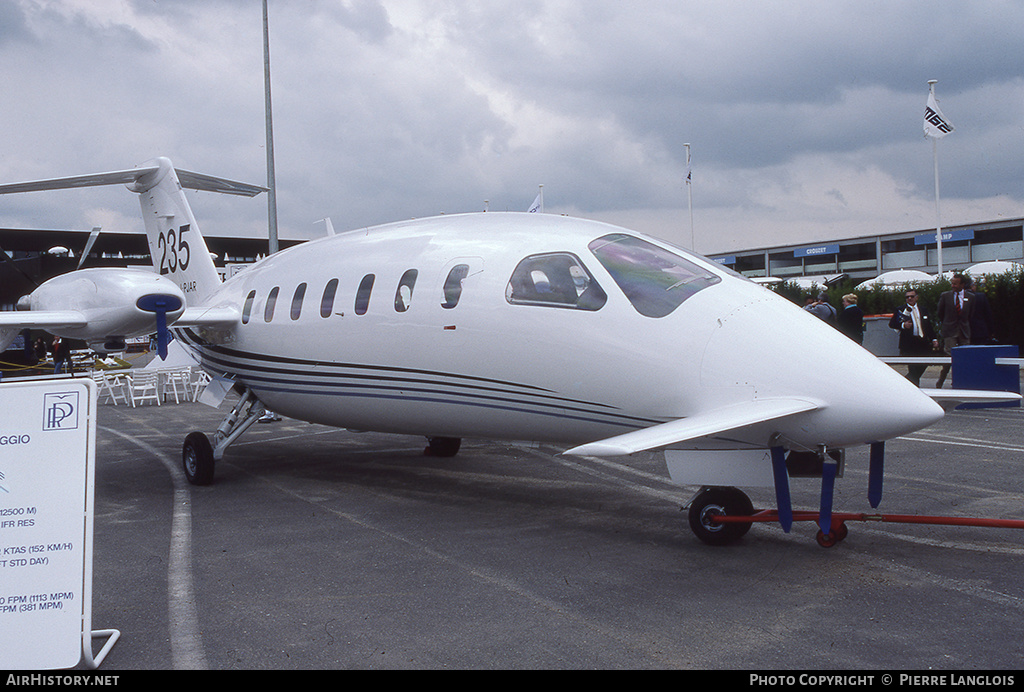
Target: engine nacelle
point(117, 303)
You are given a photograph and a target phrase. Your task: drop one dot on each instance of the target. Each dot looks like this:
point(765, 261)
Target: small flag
point(935, 124)
point(535, 206)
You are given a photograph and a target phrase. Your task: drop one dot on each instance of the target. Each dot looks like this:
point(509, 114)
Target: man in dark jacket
point(954, 315)
point(917, 334)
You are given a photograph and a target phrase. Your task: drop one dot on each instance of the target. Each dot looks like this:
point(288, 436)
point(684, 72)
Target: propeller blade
point(88, 245)
point(160, 304)
point(161, 330)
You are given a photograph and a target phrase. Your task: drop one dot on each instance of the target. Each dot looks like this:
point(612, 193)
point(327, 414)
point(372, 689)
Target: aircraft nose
point(890, 405)
point(861, 399)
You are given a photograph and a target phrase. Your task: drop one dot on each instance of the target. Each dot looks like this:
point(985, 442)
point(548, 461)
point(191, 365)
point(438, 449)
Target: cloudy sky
point(804, 117)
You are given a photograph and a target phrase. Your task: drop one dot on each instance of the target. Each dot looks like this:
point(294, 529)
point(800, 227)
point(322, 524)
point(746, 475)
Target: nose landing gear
point(199, 455)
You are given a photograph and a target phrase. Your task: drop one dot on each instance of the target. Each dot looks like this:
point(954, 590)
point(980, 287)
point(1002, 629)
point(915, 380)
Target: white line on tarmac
point(183, 618)
point(964, 442)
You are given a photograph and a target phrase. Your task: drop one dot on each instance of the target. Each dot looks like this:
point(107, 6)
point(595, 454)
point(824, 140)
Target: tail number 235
point(174, 252)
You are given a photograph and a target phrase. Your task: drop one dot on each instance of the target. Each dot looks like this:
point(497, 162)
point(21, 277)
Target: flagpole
point(689, 197)
point(272, 244)
point(541, 194)
point(935, 164)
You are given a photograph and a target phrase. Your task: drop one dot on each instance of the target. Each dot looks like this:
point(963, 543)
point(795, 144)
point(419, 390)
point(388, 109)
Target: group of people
point(849, 321)
point(963, 317)
point(61, 353)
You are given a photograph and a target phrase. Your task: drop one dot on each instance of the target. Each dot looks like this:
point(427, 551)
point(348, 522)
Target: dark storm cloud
point(804, 118)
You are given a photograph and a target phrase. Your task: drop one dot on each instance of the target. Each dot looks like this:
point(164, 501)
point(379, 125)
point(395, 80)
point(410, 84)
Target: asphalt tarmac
point(318, 548)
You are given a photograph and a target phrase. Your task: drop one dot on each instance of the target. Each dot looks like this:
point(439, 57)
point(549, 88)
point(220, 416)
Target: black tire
point(719, 501)
point(442, 446)
point(197, 459)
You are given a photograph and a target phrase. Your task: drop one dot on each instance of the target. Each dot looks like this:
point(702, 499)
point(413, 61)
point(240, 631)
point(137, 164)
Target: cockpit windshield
point(655, 280)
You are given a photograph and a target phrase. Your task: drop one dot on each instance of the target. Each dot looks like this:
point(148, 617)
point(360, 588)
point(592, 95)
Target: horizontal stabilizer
point(91, 180)
point(208, 183)
point(137, 177)
point(699, 425)
point(951, 398)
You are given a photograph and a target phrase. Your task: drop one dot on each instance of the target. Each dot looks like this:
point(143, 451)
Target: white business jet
point(508, 326)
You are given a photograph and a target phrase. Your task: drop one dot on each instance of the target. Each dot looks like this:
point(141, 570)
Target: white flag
point(935, 124)
point(535, 206)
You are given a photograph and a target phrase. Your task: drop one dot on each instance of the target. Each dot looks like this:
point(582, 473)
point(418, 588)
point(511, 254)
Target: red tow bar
point(839, 519)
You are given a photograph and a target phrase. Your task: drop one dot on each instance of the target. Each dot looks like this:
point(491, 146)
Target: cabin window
point(655, 280)
point(300, 293)
point(556, 279)
point(363, 294)
point(453, 285)
point(403, 295)
point(327, 301)
point(268, 310)
point(247, 308)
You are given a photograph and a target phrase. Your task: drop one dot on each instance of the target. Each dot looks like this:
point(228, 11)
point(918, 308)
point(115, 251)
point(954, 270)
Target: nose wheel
point(197, 459)
point(199, 454)
point(714, 502)
point(834, 536)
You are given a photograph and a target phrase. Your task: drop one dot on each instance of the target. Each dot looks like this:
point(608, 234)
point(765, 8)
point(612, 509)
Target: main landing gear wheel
point(442, 446)
point(719, 501)
point(197, 459)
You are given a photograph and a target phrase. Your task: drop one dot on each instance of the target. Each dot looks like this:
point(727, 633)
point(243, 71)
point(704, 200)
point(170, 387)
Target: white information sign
point(47, 449)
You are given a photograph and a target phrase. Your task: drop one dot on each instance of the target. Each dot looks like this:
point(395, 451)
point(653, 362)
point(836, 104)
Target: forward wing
point(951, 398)
point(208, 317)
point(700, 425)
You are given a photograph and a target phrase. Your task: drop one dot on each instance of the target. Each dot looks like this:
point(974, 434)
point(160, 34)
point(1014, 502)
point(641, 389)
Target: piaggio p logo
point(60, 411)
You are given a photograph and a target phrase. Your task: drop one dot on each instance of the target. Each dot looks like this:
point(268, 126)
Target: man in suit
point(917, 335)
point(954, 314)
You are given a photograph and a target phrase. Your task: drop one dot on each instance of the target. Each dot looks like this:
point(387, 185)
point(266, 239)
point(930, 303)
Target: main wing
point(13, 322)
point(700, 425)
point(90, 327)
point(41, 319)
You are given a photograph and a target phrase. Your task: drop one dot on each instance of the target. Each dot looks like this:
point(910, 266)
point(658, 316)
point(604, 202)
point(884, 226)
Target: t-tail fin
point(175, 241)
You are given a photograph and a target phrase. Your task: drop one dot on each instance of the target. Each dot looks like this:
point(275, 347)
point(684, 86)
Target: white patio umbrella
point(894, 278)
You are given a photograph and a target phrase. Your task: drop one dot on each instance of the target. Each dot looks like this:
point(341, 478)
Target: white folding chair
point(200, 378)
point(109, 385)
point(102, 386)
point(117, 382)
point(173, 379)
point(144, 386)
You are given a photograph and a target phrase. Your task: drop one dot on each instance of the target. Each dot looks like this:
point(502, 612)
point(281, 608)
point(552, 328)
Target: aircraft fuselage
point(492, 325)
